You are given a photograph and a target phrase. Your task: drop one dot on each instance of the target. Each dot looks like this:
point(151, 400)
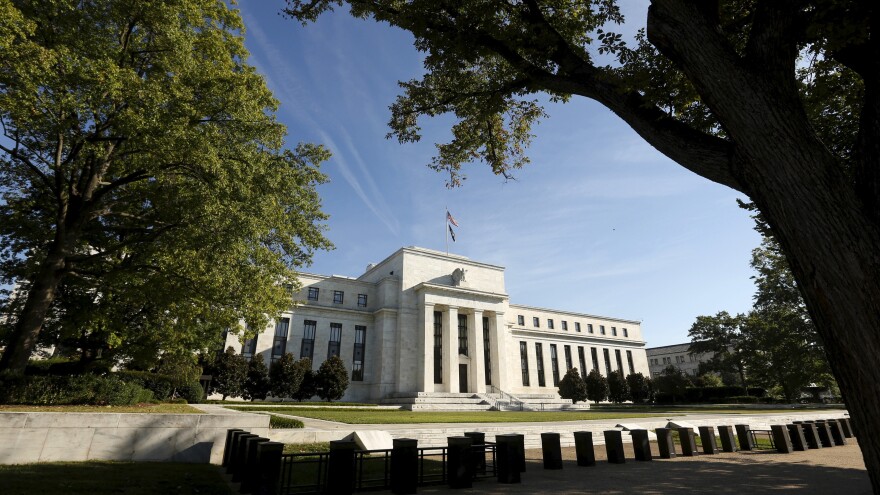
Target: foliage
point(285, 376)
point(573, 387)
point(308, 387)
point(74, 389)
point(181, 367)
point(671, 382)
point(618, 389)
point(640, 388)
point(230, 373)
point(147, 197)
point(722, 336)
point(162, 386)
point(256, 385)
point(332, 379)
point(708, 380)
point(597, 386)
point(282, 422)
point(192, 393)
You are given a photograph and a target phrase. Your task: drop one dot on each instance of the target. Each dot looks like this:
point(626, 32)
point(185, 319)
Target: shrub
point(332, 379)
point(597, 386)
point(193, 393)
point(256, 384)
point(618, 389)
point(161, 385)
point(286, 376)
point(573, 387)
point(75, 389)
point(281, 422)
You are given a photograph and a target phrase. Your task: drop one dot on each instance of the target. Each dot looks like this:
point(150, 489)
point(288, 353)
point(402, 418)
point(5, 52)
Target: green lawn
point(140, 408)
point(98, 478)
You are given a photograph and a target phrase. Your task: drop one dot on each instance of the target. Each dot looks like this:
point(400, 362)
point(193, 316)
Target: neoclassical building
point(425, 321)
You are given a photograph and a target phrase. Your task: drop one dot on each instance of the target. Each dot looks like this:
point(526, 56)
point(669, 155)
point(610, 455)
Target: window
point(335, 340)
point(307, 349)
point(607, 357)
point(549, 323)
point(568, 364)
point(539, 352)
point(602, 329)
point(536, 322)
point(554, 365)
point(625, 333)
point(595, 358)
point(577, 326)
point(629, 361)
point(438, 347)
point(357, 365)
point(487, 353)
point(583, 361)
point(279, 344)
point(564, 325)
point(614, 331)
point(619, 361)
point(589, 328)
point(362, 300)
point(249, 348)
point(337, 296)
point(462, 335)
point(524, 363)
point(520, 320)
point(313, 293)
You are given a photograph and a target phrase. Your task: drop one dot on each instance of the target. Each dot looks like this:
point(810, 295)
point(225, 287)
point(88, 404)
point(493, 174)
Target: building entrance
point(462, 378)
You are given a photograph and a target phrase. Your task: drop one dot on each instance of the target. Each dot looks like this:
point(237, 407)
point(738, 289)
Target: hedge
point(282, 422)
point(163, 387)
point(71, 390)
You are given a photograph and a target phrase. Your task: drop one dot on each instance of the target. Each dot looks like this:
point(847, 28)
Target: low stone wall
point(46, 436)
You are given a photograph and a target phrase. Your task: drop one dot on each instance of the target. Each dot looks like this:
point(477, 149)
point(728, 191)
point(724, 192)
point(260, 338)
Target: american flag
point(450, 219)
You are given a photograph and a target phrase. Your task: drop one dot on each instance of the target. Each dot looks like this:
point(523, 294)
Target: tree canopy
point(573, 387)
point(146, 192)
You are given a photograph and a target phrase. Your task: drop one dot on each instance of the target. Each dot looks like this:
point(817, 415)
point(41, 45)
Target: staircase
point(493, 400)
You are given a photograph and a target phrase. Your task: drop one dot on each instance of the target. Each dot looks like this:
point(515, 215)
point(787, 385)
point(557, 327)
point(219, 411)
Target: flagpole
point(446, 228)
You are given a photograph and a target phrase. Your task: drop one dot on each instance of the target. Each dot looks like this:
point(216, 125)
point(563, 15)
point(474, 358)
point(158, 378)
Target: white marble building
point(425, 321)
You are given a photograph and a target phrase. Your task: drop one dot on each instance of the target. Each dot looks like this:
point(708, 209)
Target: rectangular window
point(357, 364)
point(577, 326)
point(279, 344)
point(462, 335)
point(629, 361)
point(625, 333)
point(554, 365)
point(549, 323)
point(607, 357)
point(520, 320)
point(337, 296)
point(487, 352)
point(568, 364)
point(536, 322)
point(307, 349)
point(614, 331)
point(564, 325)
point(362, 300)
point(619, 360)
point(249, 348)
point(602, 329)
point(595, 357)
point(313, 293)
point(539, 359)
point(583, 361)
point(438, 347)
point(335, 340)
point(524, 363)
point(589, 328)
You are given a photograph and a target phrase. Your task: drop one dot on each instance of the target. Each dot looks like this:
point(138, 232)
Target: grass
point(281, 422)
point(306, 448)
point(139, 408)
point(99, 478)
point(249, 405)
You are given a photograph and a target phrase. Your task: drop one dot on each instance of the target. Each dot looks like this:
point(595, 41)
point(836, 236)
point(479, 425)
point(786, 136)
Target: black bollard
point(728, 442)
point(846, 426)
point(341, 467)
point(551, 450)
point(521, 451)
point(781, 439)
point(641, 444)
point(459, 462)
point(583, 446)
point(688, 444)
point(665, 444)
point(614, 446)
point(479, 449)
point(404, 466)
point(707, 438)
point(268, 467)
point(811, 435)
point(836, 432)
point(237, 461)
point(796, 434)
point(507, 458)
point(745, 437)
point(227, 447)
point(824, 433)
point(233, 450)
point(250, 471)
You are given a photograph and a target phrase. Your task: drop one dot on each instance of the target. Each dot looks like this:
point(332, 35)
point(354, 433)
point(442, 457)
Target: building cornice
point(581, 339)
point(571, 313)
point(430, 288)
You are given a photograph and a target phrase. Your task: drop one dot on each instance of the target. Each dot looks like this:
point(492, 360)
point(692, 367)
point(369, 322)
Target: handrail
point(505, 395)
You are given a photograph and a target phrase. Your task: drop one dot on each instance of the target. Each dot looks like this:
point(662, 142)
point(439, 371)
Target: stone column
point(498, 345)
point(426, 347)
point(450, 349)
point(477, 373)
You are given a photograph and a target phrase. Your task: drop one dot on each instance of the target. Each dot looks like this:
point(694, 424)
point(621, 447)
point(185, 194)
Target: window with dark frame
point(524, 363)
point(589, 328)
point(539, 359)
point(313, 293)
point(335, 340)
point(536, 322)
point(602, 329)
point(337, 296)
point(554, 365)
point(249, 348)
point(577, 326)
point(520, 320)
point(357, 365)
point(614, 331)
point(583, 361)
point(564, 325)
point(595, 357)
point(462, 335)
point(549, 323)
point(487, 352)
point(619, 361)
point(629, 361)
point(279, 343)
point(625, 333)
point(607, 357)
point(362, 300)
point(568, 365)
point(307, 349)
point(438, 347)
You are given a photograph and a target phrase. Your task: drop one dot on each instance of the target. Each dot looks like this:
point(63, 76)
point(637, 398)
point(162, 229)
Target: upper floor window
point(362, 300)
point(313, 293)
point(602, 329)
point(536, 322)
point(625, 333)
point(335, 340)
point(577, 327)
point(549, 323)
point(614, 331)
point(357, 367)
point(462, 335)
point(337, 296)
point(589, 328)
point(564, 325)
point(307, 347)
point(520, 320)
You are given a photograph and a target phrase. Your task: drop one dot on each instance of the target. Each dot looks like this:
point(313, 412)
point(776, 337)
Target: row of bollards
point(252, 461)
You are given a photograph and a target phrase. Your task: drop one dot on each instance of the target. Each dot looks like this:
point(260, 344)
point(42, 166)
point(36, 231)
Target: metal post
point(688, 444)
point(250, 466)
point(583, 446)
point(745, 439)
point(728, 442)
point(341, 467)
point(641, 444)
point(665, 443)
point(237, 462)
point(707, 438)
point(551, 450)
point(781, 439)
point(479, 449)
point(507, 458)
point(459, 462)
point(796, 433)
point(614, 446)
point(269, 467)
point(227, 447)
point(404, 466)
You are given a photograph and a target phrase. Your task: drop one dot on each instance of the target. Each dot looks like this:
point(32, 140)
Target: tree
point(142, 168)
point(671, 382)
point(639, 387)
point(230, 374)
point(308, 387)
point(182, 368)
point(256, 384)
point(618, 390)
point(597, 386)
point(779, 100)
point(721, 335)
point(285, 377)
point(572, 386)
point(332, 379)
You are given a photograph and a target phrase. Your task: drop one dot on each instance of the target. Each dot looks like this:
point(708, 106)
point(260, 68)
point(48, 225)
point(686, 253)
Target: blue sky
point(598, 223)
